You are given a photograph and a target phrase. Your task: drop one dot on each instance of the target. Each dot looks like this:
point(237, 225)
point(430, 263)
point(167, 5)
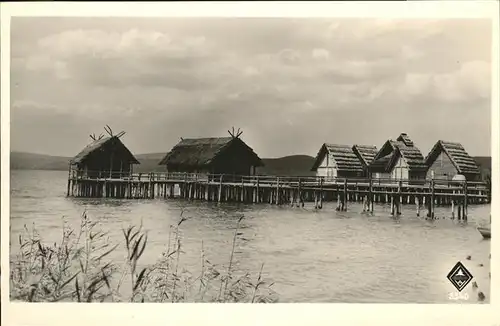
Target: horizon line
point(66, 156)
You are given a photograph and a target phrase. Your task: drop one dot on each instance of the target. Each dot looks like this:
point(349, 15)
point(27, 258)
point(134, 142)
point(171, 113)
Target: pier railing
point(280, 189)
point(269, 180)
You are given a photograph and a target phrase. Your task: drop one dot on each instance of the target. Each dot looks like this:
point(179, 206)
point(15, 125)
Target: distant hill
point(289, 165)
point(149, 162)
point(294, 165)
point(30, 161)
point(484, 163)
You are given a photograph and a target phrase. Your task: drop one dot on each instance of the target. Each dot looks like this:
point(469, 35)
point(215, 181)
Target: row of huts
point(397, 159)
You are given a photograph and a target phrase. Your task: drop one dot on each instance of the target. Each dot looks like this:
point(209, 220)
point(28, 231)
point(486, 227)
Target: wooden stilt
point(465, 201)
point(219, 197)
point(453, 209)
point(344, 208)
point(320, 194)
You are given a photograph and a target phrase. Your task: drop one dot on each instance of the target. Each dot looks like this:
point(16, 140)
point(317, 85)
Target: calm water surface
point(312, 256)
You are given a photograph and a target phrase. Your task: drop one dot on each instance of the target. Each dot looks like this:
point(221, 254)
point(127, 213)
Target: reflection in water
point(312, 256)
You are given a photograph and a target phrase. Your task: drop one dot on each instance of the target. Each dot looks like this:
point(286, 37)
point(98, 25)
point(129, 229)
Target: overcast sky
point(290, 85)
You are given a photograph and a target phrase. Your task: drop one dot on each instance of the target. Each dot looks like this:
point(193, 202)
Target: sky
point(289, 84)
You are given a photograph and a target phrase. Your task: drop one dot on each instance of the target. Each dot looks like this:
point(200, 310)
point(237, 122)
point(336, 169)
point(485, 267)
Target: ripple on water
point(312, 256)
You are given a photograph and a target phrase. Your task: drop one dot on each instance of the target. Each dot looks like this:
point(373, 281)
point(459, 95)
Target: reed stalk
point(79, 268)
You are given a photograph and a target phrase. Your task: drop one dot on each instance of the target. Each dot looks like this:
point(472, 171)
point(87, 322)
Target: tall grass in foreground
point(78, 268)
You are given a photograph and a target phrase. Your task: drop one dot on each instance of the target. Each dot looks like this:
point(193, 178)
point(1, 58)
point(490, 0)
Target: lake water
point(312, 256)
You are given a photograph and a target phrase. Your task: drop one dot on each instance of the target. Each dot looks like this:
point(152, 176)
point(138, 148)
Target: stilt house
point(337, 161)
point(366, 154)
point(104, 157)
point(448, 159)
point(399, 160)
point(223, 155)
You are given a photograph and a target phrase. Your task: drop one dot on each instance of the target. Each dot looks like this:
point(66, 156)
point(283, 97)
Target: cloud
point(320, 54)
point(470, 82)
point(263, 73)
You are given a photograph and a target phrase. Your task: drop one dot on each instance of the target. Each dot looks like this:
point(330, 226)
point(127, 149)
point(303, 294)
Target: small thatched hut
point(399, 160)
point(448, 159)
point(337, 161)
point(105, 157)
point(223, 155)
point(366, 154)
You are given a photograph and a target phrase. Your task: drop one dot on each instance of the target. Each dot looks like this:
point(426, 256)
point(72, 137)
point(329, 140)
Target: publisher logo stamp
point(459, 276)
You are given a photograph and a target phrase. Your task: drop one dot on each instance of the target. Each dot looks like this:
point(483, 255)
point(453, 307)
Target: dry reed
point(79, 269)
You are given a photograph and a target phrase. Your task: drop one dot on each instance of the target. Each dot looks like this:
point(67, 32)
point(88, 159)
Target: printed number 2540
point(458, 296)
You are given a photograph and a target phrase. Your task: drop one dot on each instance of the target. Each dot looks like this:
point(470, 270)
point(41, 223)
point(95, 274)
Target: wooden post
point(460, 210)
point(465, 201)
point(430, 213)
point(417, 204)
point(315, 192)
point(220, 189)
point(337, 188)
point(370, 194)
point(453, 206)
point(392, 205)
point(151, 186)
point(344, 208)
point(69, 179)
point(300, 202)
point(320, 193)
point(277, 190)
point(400, 185)
point(258, 191)
point(242, 195)
point(315, 199)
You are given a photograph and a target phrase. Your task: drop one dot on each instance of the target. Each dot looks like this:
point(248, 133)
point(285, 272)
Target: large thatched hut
point(399, 160)
point(223, 155)
point(448, 159)
point(104, 157)
point(337, 161)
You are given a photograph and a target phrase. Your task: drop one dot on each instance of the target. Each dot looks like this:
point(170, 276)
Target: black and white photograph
point(249, 160)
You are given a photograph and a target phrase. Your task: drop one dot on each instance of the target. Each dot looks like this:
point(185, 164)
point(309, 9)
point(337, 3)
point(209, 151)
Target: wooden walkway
point(283, 190)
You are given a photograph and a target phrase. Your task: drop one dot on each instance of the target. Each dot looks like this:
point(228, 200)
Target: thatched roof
point(365, 153)
point(343, 155)
point(104, 144)
point(462, 161)
point(403, 137)
point(412, 156)
point(392, 150)
point(200, 152)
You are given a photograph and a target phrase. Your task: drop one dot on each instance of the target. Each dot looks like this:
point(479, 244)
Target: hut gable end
point(442, 167)
point(390, 152)
point(343, 158)
point(413, 158)
point(461, 160)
